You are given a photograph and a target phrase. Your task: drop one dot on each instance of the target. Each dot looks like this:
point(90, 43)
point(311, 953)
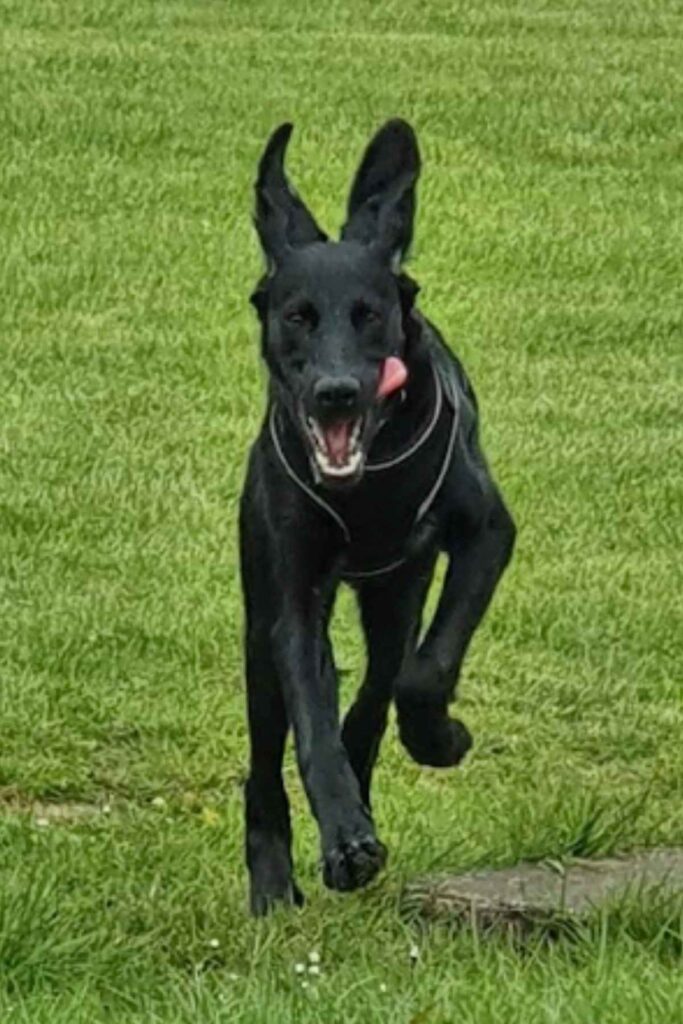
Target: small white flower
point(314, 969)
point(158, 801)
point(106, 808)
point(214, 943)
point(304, 984)
point(299, 968)
point(233, 977)
point(414, 953)
point(42, 822)
point(314, 957)
point(383, 988)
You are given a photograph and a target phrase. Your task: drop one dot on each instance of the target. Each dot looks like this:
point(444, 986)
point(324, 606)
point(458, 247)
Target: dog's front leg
point(479, 547)
point(351, 853)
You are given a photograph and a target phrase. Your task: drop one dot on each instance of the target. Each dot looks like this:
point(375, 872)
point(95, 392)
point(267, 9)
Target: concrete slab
point(528, 895)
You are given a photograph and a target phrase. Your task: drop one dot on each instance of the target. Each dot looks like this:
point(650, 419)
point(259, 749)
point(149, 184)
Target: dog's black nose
point(336, 394)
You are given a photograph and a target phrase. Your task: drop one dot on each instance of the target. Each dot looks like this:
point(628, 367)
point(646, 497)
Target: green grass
point(549, 251)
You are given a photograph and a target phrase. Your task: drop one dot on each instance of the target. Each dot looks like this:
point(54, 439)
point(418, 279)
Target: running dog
point(367, 465)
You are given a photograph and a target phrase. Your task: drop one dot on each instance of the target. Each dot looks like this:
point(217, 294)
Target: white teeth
point(329, 469)
point(316, 431)
point(354, 457)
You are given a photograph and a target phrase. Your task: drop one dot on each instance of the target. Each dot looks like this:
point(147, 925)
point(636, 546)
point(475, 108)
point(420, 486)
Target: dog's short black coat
point(345, 482)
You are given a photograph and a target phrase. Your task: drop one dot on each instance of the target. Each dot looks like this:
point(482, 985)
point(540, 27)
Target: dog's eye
point(363, 315)
point(300, 316)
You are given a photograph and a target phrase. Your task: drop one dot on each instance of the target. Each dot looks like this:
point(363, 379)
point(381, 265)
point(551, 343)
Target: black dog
point(367, 465)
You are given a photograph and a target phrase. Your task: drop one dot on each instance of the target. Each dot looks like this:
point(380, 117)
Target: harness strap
point(300, 483)
point(427, 503)
point(374, 467)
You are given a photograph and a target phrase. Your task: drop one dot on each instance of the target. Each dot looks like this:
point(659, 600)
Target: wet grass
point(548, 249)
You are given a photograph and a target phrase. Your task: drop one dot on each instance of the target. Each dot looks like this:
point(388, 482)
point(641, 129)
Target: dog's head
point(335, 316)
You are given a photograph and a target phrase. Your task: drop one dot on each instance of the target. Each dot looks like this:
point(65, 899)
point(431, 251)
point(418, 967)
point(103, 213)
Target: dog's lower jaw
point(333, 482)
point(348, 473)
point(326, 464)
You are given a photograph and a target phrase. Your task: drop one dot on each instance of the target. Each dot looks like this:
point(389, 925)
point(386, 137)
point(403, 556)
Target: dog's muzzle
point(338, 431)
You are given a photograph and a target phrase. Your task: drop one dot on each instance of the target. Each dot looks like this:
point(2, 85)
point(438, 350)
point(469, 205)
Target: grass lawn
point(549, 249)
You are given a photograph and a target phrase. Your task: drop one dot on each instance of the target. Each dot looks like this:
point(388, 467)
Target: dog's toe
point(353, 864)
point(264, 901)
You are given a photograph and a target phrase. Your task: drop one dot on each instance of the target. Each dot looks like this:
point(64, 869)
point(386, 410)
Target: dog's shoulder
point(470, 480)
point(454, 379)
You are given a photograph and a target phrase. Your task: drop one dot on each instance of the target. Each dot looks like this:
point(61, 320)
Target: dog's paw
point(263, 901)
point(353, 863)
point(428, 734)
point(439, 742)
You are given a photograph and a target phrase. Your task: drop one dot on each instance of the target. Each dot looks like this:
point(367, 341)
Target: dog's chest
point(384, 516)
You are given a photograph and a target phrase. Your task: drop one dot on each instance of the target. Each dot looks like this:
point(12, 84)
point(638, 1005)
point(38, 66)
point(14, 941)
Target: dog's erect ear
point(381, 206)
point(281, 219)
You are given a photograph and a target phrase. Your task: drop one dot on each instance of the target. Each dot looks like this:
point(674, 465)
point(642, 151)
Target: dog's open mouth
point(337, 446)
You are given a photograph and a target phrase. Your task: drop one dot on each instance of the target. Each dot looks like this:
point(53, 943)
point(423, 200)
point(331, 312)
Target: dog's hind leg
point(391, 610)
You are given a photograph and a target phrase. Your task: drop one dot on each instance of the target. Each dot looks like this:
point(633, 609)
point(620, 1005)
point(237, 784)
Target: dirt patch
point(47, 812)
point(531, 894)
point(65, 813)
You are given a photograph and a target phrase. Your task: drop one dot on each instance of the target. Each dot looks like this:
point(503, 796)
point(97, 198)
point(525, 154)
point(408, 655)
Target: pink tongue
point(337, 441)
point(394, 375)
